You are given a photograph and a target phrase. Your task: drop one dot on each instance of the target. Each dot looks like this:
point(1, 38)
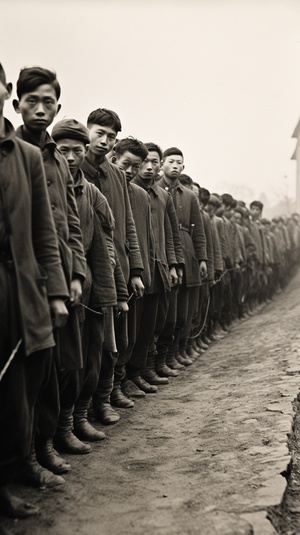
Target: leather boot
point(101, 402)
point(82, 427)
point(183, 358)
point(64, 439)
point(149, 374)
point(48, 457)
point(162, 369)
point(172, 362)
point(143, 385)
point(192, 350)
point(118, 399)
point(33, 474)
point(106, 414)
point(131, 390)
point(201, 344)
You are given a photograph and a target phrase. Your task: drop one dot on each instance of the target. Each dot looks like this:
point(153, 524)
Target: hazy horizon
point(219, 79)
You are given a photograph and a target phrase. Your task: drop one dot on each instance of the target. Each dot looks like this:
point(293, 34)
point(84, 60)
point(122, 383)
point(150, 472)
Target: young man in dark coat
point(146, 369)
point(129, 155)
point(99, 290)
point(104, 126)
point(38, 92)
point(193, 244)
point(32, 289)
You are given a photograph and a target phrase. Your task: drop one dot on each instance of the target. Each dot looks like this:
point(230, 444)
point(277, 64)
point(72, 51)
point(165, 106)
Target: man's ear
point(182, 167)
point(16, 105)
point(58, 108)
point(9, 89)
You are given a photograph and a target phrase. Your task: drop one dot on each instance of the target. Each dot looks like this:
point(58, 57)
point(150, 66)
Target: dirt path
point(203, 455)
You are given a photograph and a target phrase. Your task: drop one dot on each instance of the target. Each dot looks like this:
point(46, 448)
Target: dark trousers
point(21, 385)
point(166, 334)
point(145, 333)
point(92, 346)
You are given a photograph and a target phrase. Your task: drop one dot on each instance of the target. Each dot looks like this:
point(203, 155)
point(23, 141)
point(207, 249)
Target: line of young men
point(151, 271)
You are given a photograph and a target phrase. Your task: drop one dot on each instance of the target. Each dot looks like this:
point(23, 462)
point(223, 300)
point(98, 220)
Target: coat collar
point(153, 188)
point(164, 184)
point(7, 143)
point(94, 169)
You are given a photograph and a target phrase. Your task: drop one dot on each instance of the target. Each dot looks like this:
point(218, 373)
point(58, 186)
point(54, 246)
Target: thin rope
point(13, 353)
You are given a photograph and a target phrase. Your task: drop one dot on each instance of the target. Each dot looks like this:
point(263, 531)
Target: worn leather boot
point(149, 374)
point(192, 350)
point(183, 358)
point(82, 427)
point(162, 369)
point(143, 385)
point(64, 439)
point(101, 402)
point(118, 398)
point(33, 474)
point(172, 362)
point(131, 390)
point(48, 457)
point(106, 414)
point(201, 344)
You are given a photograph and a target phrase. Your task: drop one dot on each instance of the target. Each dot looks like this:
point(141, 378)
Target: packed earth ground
point(205, 455)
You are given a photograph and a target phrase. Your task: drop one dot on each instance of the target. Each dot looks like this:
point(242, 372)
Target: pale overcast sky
point(219, 79)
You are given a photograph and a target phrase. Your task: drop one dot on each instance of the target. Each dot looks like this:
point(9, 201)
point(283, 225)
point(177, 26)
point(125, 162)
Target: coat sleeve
point(209, 246)
point(75, 236)
point(175, 230)
point(170, 251)
point(44, 235)
point(197, 230)
point(135, 259)
point(103, 292)
point(121, 287)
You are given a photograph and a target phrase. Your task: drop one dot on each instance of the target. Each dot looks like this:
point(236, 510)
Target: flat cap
point(70, 129)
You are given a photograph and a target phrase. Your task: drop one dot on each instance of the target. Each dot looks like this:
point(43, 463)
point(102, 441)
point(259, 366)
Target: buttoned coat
point(32, 237)
point(140, 205)
point(112, 183)
point(163, 243)
point(191, 230)
point(99, 287)
point(64, 210)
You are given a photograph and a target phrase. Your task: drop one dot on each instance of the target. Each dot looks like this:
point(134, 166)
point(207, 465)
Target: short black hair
point(32, 77)
point(132, 145)
point(172, 151)
point(204, 196)
point(152, 147)
point(258, 204)
point(105, 117)
point(185, 180)
point(228, 200)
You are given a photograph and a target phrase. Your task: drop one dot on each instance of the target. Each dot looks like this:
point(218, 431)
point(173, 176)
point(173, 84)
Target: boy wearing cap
point(99, 292)
point(32, 285)
point(103, 126)
point(38, 92)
